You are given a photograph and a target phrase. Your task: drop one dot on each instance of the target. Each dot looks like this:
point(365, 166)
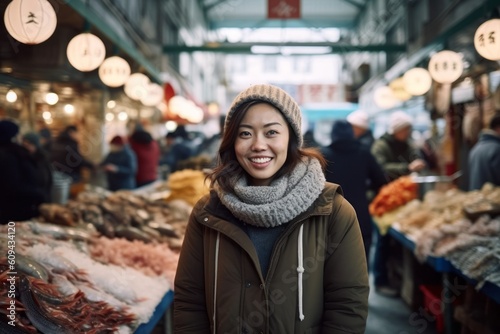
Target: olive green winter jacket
point(219, 286)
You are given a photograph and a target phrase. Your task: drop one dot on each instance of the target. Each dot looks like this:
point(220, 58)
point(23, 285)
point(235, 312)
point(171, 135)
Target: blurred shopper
point(31, 141)
point(20, 188)
point(484, 158)
point(177, 149)
point(274, 248)
point(120, 165)
point(210, 146)
point(147, 151)
point(361, 127)
point(394, 150)
point(398, 157)
point(66, 157)
point(351, 165)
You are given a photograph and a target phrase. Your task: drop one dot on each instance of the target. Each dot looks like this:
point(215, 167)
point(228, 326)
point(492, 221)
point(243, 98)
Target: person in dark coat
point(177, 149)
point(351, 165)
point(120, 165)
point(31, 141)
point(147, 152)
point(66, 157)
point(484, 158)
point(20, 190)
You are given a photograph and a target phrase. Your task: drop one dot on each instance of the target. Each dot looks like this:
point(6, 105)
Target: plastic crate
point(433, 305)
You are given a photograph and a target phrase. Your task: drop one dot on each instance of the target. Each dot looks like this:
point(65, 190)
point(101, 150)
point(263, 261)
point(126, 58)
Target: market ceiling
point(312, 14)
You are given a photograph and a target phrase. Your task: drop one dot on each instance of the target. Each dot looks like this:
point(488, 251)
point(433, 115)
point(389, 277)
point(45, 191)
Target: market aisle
point(393, 316)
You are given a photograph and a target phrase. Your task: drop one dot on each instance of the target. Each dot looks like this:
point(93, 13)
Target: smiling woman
point(273, 248)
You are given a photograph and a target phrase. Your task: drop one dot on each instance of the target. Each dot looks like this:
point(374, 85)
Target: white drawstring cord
point(215, 283)
point(300, 269)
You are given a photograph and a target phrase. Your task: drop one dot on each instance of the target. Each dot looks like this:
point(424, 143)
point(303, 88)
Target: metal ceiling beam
point(246, 48)
point(355, 4)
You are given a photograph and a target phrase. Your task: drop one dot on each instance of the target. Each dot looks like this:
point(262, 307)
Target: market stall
point(102, 262)
point(457, 234)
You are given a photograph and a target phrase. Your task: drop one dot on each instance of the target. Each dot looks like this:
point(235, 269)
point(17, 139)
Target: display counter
point(447, 270)
point(159, 312)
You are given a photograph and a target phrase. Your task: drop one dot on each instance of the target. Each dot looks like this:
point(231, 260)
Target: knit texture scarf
point(284, 199)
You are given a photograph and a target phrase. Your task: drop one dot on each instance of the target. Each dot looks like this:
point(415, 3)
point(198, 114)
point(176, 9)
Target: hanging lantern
point(417, 81)
point(30, 21)
point(384, 97)
point(446, 66)
point(153, 96)
point(398, 89)
point(114, 71)
point(136, 86)
point(86, 52)
point(487, 39)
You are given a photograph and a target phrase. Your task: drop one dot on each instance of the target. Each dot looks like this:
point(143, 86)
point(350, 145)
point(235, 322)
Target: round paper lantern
point(114, 71)
point(417, 81)
point(153, 96)
point(487, 39)
point(136, 86)
point(86, 52)
point(384, 97)
point(30, 21)
point(446, 66)
point(398, 89)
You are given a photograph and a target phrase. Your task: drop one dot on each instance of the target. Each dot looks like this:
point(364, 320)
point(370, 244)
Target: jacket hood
point(142, 137)
point(341, 130)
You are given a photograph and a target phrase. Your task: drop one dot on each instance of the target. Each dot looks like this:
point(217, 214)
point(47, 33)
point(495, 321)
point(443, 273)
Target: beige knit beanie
point(275, 96)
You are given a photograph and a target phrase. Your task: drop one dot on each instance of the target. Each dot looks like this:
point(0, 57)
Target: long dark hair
point(228, 165)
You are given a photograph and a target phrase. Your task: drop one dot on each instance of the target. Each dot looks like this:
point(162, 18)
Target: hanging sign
point(283, 9)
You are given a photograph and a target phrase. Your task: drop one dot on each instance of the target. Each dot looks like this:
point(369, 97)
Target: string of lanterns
point(445, 67)
point(34, 21)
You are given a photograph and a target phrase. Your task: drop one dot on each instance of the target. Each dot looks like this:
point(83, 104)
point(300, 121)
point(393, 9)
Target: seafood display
point(121, 214)
point(61, 288)
point(99, 264)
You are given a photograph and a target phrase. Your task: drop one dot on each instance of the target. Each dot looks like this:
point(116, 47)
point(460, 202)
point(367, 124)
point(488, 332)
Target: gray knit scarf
point(284, 199)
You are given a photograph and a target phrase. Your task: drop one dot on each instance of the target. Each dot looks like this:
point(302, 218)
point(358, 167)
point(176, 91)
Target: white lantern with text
point(30, 21)
point(487, 39)
point(114, 71)
point(399, 90)
point(417, 81)
point(446, 66)
point(384, 97)
point(136, 86)
point(86, 52)
point(153, 96)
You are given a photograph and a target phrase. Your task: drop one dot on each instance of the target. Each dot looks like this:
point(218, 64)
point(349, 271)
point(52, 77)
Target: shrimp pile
point(154, 259)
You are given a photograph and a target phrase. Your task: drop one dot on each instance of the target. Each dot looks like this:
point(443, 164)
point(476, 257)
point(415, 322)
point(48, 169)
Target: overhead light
point(46, 115)
point(114, 71)
point(417, 81)
point(446, 66)
point(486, 39)
point(170, 126)
point(305, 50)
point(86, 52)
point(111, 104)
point(69, 109)
point(51, 98)
point(122, 116)
point(11, 96)
point(262, 49)
point(30, 21)
point(110, 116)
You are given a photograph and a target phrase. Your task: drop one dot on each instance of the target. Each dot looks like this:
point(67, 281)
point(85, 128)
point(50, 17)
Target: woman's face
point(262, 143)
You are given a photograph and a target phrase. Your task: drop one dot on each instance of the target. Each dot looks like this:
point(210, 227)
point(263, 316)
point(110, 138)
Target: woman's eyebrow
point(265, 125)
